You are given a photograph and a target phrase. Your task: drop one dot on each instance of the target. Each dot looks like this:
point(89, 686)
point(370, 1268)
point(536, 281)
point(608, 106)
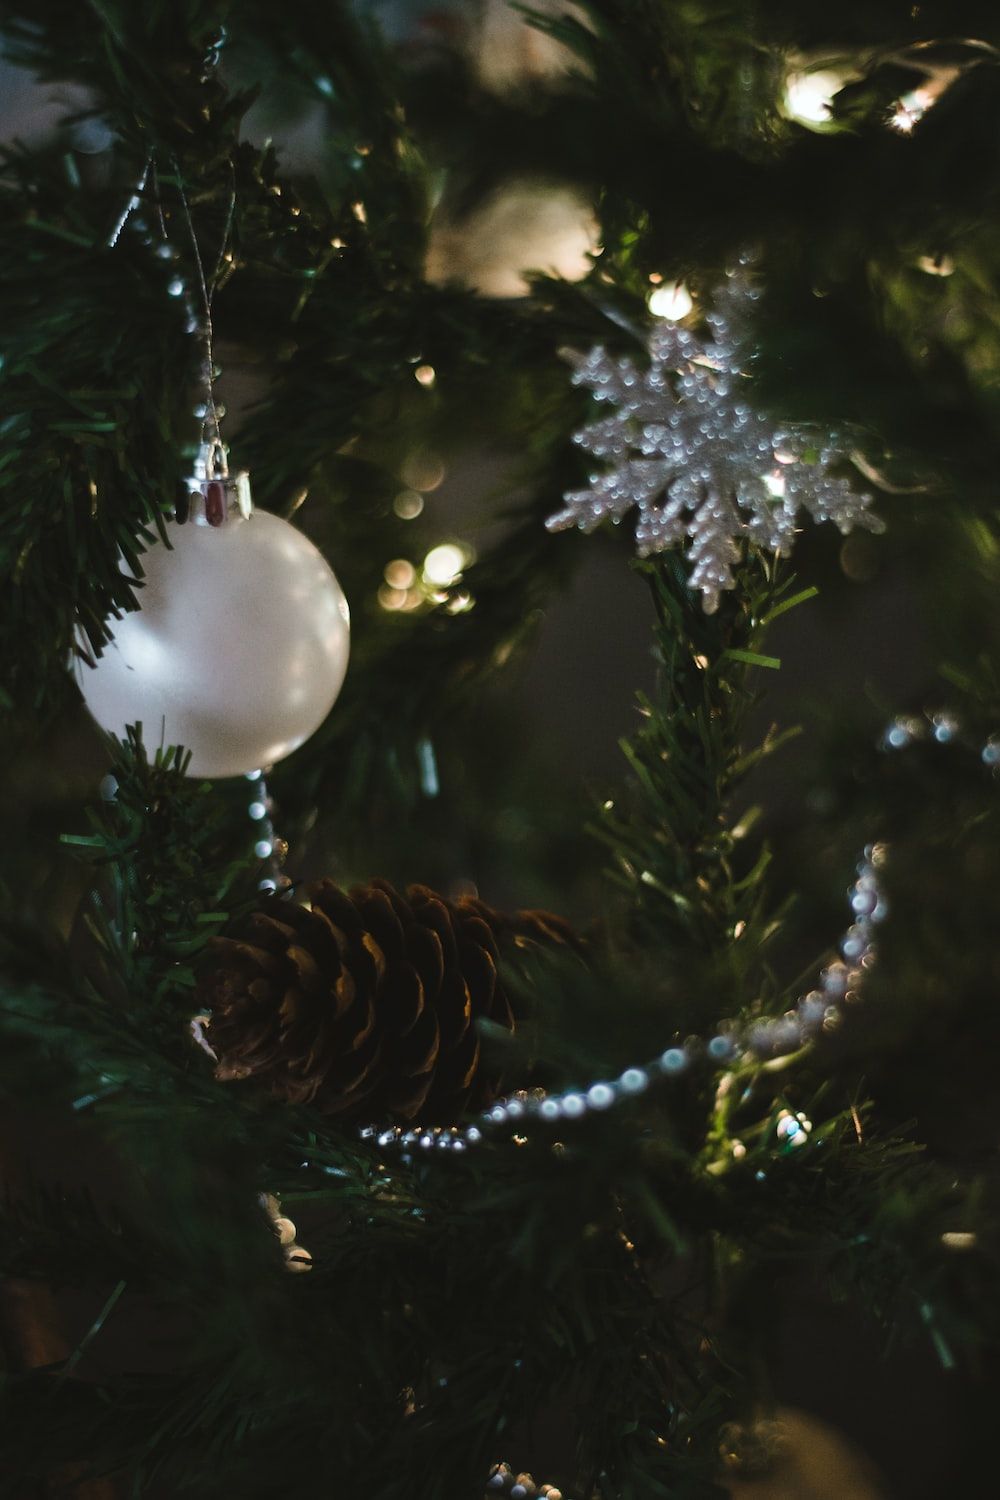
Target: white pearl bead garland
point(820, 1009)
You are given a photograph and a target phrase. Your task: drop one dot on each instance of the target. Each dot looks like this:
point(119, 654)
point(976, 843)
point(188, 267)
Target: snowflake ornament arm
point(702, 467)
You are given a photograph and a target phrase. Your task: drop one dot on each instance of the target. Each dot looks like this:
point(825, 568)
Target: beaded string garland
point(819, 1009)
point(268, 847)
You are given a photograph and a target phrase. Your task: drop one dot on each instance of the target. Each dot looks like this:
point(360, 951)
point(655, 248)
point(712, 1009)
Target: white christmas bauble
point(238, 651)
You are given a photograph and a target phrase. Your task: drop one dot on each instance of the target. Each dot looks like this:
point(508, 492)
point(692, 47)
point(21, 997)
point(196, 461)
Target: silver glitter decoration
point(685, 446)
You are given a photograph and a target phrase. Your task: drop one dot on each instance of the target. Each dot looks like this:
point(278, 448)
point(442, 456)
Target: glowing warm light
point(391, 598)
point(936, 265)
point(422, 470)
point(408, 504)
point(809, 96)
point(460, 604)
point(399, 574)
point(910, 110)
point(524, 226)
point(444, 563)
point(425, 375)
point(671, 300)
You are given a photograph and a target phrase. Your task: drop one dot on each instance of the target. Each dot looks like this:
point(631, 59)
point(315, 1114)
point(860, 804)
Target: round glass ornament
point(240, 646)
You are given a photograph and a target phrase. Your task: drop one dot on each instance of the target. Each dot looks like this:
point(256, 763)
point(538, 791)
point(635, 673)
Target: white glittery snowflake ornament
point(702, 467)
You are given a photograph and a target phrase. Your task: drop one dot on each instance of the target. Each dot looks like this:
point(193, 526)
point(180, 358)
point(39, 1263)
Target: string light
point(422, 470)
point(809, 95)
point(958, 1239)
point(390, 598)
point(445, 563)
point(936, 265)
point(408, 504)
point(399, 574)
point(670, 300)
point(910, 110)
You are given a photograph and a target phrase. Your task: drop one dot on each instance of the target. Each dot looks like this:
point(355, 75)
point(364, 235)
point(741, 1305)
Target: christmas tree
point(407, 1089)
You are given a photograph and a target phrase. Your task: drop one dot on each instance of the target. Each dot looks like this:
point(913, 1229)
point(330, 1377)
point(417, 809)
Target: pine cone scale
point(418, 1051)
point(382, 924)
point(308, 974)
point(325, 939)
point(480, 974)
point(404, 999)
point(257, 960)
point(427, 957)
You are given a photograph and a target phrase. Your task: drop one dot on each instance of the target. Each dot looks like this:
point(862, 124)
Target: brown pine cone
point(366, 1002)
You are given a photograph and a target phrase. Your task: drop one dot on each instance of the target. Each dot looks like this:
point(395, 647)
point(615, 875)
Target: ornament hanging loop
point(212, 460)
point(210, 432)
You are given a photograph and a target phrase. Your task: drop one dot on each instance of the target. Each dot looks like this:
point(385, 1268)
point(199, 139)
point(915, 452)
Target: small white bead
point(634, 1080)
point(674, 1060)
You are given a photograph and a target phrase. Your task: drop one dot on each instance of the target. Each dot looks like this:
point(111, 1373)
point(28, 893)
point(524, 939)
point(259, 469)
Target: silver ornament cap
point(214, 496)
